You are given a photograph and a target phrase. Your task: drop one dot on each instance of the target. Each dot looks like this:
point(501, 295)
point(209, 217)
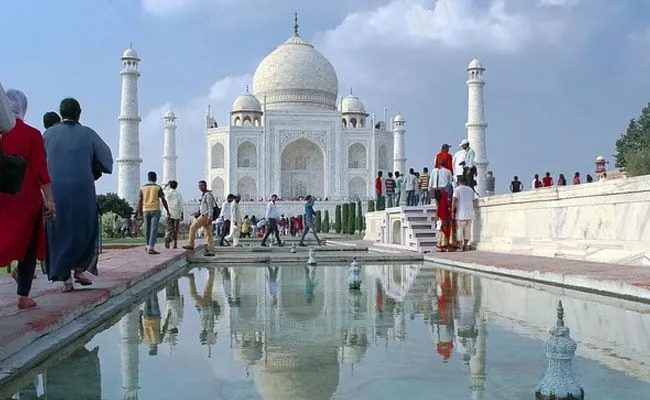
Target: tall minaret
point(128, 160)
point(130, 358)
point(169, 147)
point(476, 121)
point(399, 158)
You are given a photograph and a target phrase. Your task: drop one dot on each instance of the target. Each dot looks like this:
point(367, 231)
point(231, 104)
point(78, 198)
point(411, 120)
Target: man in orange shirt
point(444, 155)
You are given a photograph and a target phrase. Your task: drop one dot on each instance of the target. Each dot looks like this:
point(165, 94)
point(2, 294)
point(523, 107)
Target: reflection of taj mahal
point(292, 136)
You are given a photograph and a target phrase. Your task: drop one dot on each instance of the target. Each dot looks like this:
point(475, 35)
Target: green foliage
point(111, 202)
point(107, 220)
point(318, 223)
point(337, 219)
point(359, 221)
point(352, 218)
point(638, 163)
point(326, 222)
point(371, 205)
point(381, 203)
point(635, 140)
point(345, 217)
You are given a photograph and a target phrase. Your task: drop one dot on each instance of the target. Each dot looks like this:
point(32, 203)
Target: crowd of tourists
point(547, 181)
point(47, 194)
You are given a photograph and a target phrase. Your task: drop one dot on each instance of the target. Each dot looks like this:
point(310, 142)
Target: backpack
point(216, 211)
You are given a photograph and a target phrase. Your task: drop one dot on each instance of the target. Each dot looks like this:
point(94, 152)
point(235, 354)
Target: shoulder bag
point(12, 171)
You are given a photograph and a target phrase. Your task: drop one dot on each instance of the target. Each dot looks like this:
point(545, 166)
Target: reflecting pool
point(297, 333)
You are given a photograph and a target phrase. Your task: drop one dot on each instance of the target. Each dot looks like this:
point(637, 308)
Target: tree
point(637, 163)
point(318, 222)
point(111, 202)
point(326, 222)
point(359, 220)
point(345, 215)
point(337, 218)
point(371, 205)
point(636, 139)
point(352, 219)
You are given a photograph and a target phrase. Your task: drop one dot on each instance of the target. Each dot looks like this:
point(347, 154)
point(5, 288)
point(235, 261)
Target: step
point(423, 235)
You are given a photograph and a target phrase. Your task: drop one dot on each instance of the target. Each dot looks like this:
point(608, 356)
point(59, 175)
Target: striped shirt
point(424, 181)
point(390, 185)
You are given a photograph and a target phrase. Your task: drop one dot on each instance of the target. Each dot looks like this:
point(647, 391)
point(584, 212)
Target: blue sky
point(563, 76)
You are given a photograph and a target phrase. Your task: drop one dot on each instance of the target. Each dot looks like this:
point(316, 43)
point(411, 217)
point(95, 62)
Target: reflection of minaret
point(129, 342)
point(400, 322)
point(477, 375)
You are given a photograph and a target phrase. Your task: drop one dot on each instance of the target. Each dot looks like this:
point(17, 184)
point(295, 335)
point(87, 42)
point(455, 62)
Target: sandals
point(82, 280)
point(25, 303)
point(67, 288)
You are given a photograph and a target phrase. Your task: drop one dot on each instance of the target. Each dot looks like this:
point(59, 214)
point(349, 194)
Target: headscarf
point(17, 102)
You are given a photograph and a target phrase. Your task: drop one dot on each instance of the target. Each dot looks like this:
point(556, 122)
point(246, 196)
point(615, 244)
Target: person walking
point(226, 217)
point(175, 215)
point(309, 220)
point(74, 153)
point(203, 219)
point(22, 237)
point(151, 195)
point(272, 216)
point(235, 221)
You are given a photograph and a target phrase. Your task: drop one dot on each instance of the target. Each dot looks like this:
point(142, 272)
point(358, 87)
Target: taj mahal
point(293, 136)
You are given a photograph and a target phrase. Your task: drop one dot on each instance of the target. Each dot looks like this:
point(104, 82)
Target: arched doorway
point(357, 189)
point(303, 169)
point(218, 188)
point(247, 188)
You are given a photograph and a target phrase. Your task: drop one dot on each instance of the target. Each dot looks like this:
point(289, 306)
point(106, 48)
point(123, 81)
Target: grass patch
point(138, 240)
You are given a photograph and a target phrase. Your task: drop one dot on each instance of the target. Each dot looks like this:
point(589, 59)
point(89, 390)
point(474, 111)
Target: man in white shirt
point(226, 213)
point(411, 182)
point(459, 162)
point(235, 224)
point(175, 215)
point(440, 178)
point(462, 210)
point(272, 216)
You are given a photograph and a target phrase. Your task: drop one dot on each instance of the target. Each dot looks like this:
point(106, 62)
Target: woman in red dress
point(23, 236)
point(443, 209)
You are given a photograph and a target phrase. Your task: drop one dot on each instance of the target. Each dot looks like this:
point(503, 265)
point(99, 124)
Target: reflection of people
point(310, 284)
point(76, 377)
point(173, 312)
point(208, 308)
point(150, 330)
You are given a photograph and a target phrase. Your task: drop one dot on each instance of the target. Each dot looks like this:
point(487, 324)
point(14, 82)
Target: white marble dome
point(296, 75)
point(399, 118)
point(130, 53)
point(351, 104)
point(246, 102)
point(170, 115)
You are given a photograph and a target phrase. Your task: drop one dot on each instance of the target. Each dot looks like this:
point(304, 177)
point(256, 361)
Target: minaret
point(169, 147)
point(129, 343)
point(128, 160)
point(399, 158)
point(476, 121)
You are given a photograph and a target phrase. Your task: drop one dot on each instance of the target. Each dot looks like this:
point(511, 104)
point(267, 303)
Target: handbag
point(12, 172)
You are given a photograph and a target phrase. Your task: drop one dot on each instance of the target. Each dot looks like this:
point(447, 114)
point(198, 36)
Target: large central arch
point(302, 169)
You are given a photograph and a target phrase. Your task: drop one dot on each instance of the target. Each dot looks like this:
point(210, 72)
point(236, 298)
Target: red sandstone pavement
point(637, 276)
point(118, 270)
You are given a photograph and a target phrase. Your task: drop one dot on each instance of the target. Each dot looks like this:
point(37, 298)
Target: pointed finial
point(295, 23)
point(130, 45)
point(350, 90)
point(246, 88)
point(560, 315)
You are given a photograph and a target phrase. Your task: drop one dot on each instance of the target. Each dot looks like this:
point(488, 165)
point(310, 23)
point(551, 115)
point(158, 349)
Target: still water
point(297, 333)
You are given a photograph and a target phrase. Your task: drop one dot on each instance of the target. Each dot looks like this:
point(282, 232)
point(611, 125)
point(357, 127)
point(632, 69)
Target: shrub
point(326, 222)
point(337, 219)
point(318, 222)
point(371, 205)
point(359, 220)
point(345, 215)
point(352, 219)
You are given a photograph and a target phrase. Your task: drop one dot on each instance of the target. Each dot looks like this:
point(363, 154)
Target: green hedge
point(371, 205)
point(337, 219)
point(352, 218)
point(326, 222)
point(345, 218)
point(318, 223)
point(359, 220)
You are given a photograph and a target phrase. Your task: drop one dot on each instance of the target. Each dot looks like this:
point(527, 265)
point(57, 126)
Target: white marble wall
point(601, 221)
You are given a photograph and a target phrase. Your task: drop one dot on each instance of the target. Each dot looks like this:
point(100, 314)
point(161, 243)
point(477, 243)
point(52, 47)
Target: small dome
point(475, 64)
point(399, 118)
point(600, 158)
point(170, 115)
point(130, 53)
point(246, 102)
point(352, 105)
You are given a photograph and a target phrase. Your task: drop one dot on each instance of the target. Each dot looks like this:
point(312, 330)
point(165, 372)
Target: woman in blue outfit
point(75, 153)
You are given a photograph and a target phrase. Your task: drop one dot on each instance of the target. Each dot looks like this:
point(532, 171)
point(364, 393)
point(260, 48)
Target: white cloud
point(173, 7)
point(190, 135)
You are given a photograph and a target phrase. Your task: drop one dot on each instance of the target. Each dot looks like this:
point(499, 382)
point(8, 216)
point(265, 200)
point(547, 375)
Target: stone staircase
point(420, 228)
